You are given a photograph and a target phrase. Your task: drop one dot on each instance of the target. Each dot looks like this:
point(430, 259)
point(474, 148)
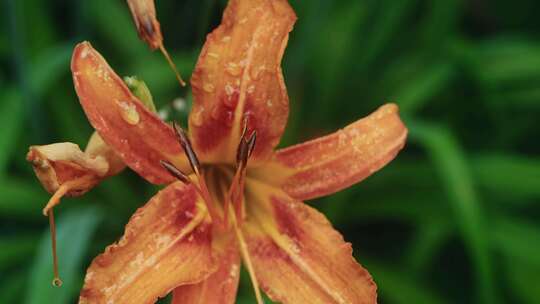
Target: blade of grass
point(449, 159)
point(21, 199)
point(12, 117)
point(12, 287)
point(75, 230)
point(397, 287)
point(517, 239)
point(509, 175)
point(51, 64)
point(16, 249)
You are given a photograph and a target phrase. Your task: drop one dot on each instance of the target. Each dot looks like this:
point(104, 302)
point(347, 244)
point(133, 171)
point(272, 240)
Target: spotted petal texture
point(166, 243)
point(221, 286)
point(298, 256)
point(238, 76)
point(331, 163)
point(137, 135)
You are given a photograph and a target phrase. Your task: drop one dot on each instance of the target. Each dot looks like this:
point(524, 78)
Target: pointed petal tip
point(299, 257)
point(331, 163)
point(135, 133)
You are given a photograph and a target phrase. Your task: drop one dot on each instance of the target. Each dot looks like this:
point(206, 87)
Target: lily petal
point(137, 135)
point(238, 76)
point(328, 164)
point(221, 286)
point(60, 163)
point(167, 243)
point(298, 256)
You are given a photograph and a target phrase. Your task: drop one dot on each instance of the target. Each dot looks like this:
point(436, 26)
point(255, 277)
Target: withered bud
point(144, 16)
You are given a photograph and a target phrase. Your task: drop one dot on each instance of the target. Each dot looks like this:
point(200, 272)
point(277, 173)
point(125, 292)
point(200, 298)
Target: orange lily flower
point(231, 198)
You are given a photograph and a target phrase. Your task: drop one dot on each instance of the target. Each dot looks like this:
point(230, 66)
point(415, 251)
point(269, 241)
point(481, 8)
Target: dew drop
point(257, 72)
point(128, 112)
point(233, 69)
point(213, 55)
point(197, 118)
point(229, 90)
point(251, 89)
point(208, 87)
point(226, 39)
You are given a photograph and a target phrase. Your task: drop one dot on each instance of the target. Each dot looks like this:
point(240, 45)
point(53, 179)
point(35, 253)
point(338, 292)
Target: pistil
point(200, 185)
point(236, 191)
point(64, 189)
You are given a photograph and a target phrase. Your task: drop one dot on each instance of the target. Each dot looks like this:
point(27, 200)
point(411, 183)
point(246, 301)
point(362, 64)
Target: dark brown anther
point(251, 143)
point(181, 176)
point(148, 26)
point(188, 148)
point(242, 152)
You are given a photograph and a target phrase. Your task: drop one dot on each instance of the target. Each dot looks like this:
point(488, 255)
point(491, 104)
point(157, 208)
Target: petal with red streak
point(221, 286)
point(298, 257)
point(167, 243)
point(137, 135)
point(238, 75)
point(328, 164)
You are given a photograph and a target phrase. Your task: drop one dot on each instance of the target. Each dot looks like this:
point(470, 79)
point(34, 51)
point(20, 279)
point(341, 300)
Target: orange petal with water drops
point(328, 164)
point(221, 286)
point(298, 257)
point(238, 76)
point(137, 135)
point(167, 243)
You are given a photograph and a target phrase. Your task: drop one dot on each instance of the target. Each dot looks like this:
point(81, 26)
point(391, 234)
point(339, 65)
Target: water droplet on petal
point(213, 55)
point(128, 112)
point(233, 69)
point(256, 72)
point(208, 87)
point(197, 118)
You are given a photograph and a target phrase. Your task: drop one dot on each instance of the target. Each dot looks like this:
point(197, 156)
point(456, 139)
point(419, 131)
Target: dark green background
point(454, 219)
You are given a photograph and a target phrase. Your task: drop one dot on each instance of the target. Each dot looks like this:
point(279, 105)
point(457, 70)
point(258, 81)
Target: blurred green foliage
point(454, 219)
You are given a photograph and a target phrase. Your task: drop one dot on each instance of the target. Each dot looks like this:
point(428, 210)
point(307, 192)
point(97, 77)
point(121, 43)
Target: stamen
point(236, 192)
point(48, 211)
point(188, 148)
point(181, 176)
point(57, 282)
point(251, 143)
point(247, 259)
point(171, 64)
point(196, 166)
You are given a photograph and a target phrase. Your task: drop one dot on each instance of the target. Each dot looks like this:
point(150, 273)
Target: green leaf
point(16, 249)
point(421, 85)
point(20, 199)
point(75, 230)
point(50, 65)
point(429, 238)
point(517, 239)
point(447, 156)
point(508, 175)
point(12, 287)
point(12, 117)
point(397, 287)
point(523, 280)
